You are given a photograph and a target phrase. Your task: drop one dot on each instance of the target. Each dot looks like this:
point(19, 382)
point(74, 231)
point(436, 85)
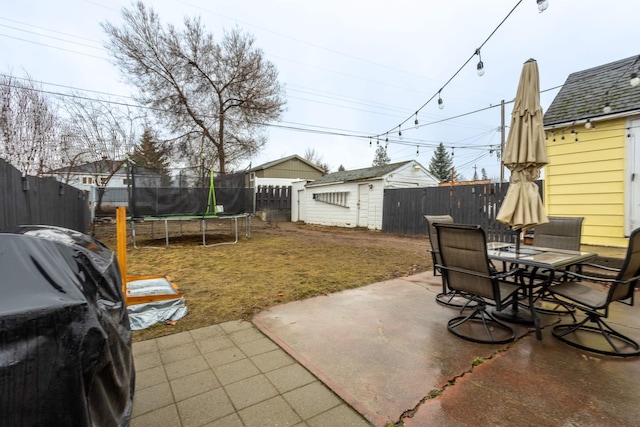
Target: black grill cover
point(65, 341)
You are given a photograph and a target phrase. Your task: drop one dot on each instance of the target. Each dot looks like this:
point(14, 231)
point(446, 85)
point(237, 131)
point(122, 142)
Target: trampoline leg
point(166, 234)
point(133, 234)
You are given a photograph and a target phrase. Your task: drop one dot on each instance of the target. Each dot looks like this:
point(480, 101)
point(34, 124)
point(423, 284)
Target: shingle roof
point(585, 93)
point(99, 166)
point(359, 174)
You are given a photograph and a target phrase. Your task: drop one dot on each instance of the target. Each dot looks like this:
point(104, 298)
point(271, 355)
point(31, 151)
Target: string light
point(635, 80)
point(607, 108)
point(542, 5)
point(399, 132)
point(480, 66)
point(417, 150)
point(416, 121)
point(588, 124)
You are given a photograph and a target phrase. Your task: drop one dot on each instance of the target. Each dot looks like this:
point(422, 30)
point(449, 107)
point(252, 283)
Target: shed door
point(633, 178)
point(363, 205)
point(302, 202)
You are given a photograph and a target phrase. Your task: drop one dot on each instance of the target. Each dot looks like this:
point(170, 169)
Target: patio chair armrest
point(512, 272)
point(598, 266)
point(600, 279)
point(462, 270)
point(498, 275)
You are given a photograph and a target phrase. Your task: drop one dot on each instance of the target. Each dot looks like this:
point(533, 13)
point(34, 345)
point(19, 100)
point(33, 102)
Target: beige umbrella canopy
point(524, 154)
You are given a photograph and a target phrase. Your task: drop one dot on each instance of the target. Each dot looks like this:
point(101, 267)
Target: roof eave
point(591, 119)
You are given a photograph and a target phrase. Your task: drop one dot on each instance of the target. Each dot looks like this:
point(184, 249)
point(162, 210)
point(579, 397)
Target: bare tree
point(216, 97)
point(381, 158)
point(99, 135)
point(27, 125)
point(311, 156)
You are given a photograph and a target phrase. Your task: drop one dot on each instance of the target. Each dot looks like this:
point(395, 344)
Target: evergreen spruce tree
point(484, 173)
point(340, 168)
point(153, 155)
point(441, 164)
point(381, 157)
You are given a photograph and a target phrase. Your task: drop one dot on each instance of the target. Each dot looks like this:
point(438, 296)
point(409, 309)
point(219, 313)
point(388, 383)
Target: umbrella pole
point(518, 241)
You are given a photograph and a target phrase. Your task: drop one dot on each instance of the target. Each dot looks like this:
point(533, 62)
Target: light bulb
point(607, 108)
point(480, 68)
point(440, 103)
point(588, 124)
point(635, 80)
point(542, 5)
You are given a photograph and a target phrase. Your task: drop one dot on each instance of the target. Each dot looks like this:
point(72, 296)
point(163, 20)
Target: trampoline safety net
point(186, 191)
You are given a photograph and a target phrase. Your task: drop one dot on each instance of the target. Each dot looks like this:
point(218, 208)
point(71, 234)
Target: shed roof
point(359, 174)
point(584, 94)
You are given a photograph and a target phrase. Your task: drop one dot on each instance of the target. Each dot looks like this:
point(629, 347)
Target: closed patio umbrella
point(525, 153)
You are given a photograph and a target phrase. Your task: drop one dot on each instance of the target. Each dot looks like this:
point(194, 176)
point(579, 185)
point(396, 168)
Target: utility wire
point(457, 72)
point(301, 127)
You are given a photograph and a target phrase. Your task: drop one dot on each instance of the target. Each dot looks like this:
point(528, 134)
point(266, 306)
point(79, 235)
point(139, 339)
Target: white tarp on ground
point(142, 316)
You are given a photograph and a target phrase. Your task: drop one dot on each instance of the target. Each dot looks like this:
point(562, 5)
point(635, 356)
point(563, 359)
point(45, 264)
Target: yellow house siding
point(586, 178)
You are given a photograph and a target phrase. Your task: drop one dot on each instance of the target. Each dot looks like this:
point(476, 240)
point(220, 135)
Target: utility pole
point(502, 141)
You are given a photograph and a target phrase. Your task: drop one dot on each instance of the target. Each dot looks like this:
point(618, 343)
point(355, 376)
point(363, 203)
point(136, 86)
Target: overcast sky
point(354, 68)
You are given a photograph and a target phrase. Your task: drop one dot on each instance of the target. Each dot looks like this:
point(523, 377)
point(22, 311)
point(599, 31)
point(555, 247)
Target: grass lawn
point(276, 265)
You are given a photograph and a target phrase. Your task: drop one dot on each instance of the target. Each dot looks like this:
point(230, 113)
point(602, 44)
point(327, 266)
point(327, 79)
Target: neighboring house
point(106, 182)
point(282, 172)
point(593, 137)
point(354, 198)
point(94, 174)
point(106, 174)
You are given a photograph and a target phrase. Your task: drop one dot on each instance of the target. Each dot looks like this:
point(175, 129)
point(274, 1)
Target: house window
point(252, 176)
point(87, 180)
point(338, 198)
point(125, 181)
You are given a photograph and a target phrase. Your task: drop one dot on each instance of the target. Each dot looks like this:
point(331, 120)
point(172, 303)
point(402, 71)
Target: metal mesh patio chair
point(433, 237)
point(468, 270)
point(447, 297)
point(558, 233)
point(592, 333)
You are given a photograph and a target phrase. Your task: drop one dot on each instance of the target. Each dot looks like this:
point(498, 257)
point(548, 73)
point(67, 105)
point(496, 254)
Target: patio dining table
point(536, 259)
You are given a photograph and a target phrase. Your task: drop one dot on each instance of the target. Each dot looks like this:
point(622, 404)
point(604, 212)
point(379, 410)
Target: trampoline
point(233, 218)
point(187, 196)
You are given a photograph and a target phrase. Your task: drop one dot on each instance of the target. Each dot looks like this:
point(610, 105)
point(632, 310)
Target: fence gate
point(273, 197)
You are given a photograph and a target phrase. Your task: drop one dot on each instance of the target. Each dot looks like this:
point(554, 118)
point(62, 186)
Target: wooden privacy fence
point(273, 197)
point(30, 200)
point(404, 208)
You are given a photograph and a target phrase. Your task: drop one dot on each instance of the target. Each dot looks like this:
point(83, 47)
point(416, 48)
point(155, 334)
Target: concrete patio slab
point(385, 350)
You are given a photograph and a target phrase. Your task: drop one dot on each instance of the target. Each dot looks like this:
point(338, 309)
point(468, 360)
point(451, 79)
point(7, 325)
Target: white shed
point(355, 198)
